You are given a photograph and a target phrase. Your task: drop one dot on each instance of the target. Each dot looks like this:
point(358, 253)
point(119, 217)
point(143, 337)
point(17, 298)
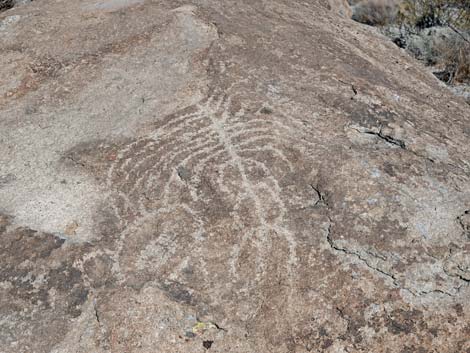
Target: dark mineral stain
point(459, 309)
point(77, 297)
point(34, 263)
point(413, 349)
point(388, 168)
point(176, 291)
point(402, 321)
point(266, 110)
point(327, 343)
point(189, 334)
point(64, 277)
point(207, 344)
point(183, 173)
point(6, 179)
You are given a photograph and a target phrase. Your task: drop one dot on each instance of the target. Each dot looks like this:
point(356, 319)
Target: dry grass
point(375, 12)
point(414, 17)
point(422, 14)
point(454, 58)
point(453, 54)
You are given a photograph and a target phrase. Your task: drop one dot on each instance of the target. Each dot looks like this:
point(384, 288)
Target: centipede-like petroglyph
point(202, 195)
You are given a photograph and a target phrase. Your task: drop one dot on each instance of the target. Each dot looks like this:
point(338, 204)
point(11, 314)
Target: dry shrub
point(422, 14)
point(454, 59)
point(375, 12)
point(6, 4)
point(421, 24)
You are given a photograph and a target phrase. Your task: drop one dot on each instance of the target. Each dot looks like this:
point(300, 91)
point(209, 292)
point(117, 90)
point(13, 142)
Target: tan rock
point(247, 176)
point(341, 7)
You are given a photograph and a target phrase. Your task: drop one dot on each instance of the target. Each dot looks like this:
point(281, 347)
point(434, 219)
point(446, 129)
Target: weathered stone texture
point(226, 176)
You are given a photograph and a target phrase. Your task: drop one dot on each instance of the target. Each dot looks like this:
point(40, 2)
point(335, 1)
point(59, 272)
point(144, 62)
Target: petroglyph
point(224, 155)
point(226, 176)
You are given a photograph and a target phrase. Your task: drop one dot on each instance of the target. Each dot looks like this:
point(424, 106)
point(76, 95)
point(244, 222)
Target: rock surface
point(226, 176)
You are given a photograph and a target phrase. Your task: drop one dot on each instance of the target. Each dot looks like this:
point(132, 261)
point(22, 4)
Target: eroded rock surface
point(226, 176)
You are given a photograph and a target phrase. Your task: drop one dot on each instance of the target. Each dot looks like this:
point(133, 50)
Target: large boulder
point(226, 176)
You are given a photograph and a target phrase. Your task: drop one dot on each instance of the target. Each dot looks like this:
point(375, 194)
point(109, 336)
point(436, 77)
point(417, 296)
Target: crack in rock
point(322, 199)
point(97, 315)
point(387, 138)
point(390, 276)
point(390, 140)
point(464, 222)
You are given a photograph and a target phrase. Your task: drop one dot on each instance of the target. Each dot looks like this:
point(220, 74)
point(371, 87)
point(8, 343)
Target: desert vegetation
point(375, 12)
point(435, 31)
point(429, 13)
point(6, 4)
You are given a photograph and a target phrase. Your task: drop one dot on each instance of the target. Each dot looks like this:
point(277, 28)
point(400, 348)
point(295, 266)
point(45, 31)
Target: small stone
point(71, 228)
point(207, 344)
